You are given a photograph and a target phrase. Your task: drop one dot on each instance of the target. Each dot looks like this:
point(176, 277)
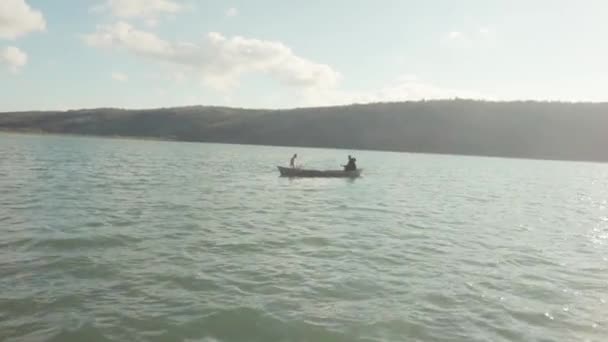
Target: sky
point(71, 54)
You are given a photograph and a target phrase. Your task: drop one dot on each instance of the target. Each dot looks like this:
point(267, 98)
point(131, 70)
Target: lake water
point(127, 240)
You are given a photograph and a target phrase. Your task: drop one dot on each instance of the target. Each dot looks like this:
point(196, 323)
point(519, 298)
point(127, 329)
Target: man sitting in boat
point(351, 166)
point(292, 162)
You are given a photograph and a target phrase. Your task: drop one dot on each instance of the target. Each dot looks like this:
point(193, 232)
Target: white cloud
point(13, 58)
point(414, 89)
point(178, 77)
point(456, 39)
point(147, 9)
point(456, 35)
point(487, 35)
point(120, 77)
point(483, 36)
point(221, 61)
point(151, 22)
point(405, 88)
point(17, 18)
point(124, 35)
point(484, 31)
point(232, 12)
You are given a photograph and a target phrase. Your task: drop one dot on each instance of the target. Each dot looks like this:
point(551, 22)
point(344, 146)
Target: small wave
point(87, 332)
point(90, 242)
point(254, 324)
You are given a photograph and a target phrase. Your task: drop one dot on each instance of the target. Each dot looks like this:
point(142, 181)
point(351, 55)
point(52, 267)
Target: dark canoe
point(295, 172)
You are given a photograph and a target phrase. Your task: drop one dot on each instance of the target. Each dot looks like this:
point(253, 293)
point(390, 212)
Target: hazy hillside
point(512, 129)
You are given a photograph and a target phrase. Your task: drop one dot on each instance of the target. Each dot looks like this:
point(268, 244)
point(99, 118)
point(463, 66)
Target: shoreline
point(136, 138)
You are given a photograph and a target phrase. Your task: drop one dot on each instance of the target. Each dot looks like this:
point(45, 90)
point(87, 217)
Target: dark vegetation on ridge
point(544, 130)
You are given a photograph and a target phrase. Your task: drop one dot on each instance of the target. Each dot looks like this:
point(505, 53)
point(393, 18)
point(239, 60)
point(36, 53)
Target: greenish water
point(124, 240)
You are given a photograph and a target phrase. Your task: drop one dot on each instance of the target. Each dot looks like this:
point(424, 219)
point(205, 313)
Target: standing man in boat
point(292, 162)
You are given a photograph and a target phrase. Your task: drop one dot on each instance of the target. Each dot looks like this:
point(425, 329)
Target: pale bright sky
point(67, 54)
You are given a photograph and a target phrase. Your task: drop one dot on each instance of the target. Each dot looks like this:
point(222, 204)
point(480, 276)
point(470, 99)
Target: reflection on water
point(162, 241)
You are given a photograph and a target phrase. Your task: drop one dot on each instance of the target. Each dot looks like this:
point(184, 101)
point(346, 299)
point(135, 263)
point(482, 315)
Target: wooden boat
point(295, 172)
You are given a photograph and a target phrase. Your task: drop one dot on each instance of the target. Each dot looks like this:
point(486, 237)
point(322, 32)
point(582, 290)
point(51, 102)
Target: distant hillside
point(544, 130)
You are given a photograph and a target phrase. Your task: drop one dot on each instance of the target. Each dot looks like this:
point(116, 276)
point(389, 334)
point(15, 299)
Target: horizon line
point(455, 99)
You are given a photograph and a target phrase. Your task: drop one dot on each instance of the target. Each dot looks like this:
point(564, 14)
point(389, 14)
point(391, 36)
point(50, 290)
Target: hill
point(542, 130)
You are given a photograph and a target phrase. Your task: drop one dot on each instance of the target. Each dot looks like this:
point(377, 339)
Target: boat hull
point(295, 172)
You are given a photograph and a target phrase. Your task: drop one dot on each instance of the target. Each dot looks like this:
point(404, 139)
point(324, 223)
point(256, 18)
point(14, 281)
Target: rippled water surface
point(125, 240)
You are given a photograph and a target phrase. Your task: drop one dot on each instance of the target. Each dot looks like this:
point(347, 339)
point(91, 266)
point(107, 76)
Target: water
point(126, 240)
